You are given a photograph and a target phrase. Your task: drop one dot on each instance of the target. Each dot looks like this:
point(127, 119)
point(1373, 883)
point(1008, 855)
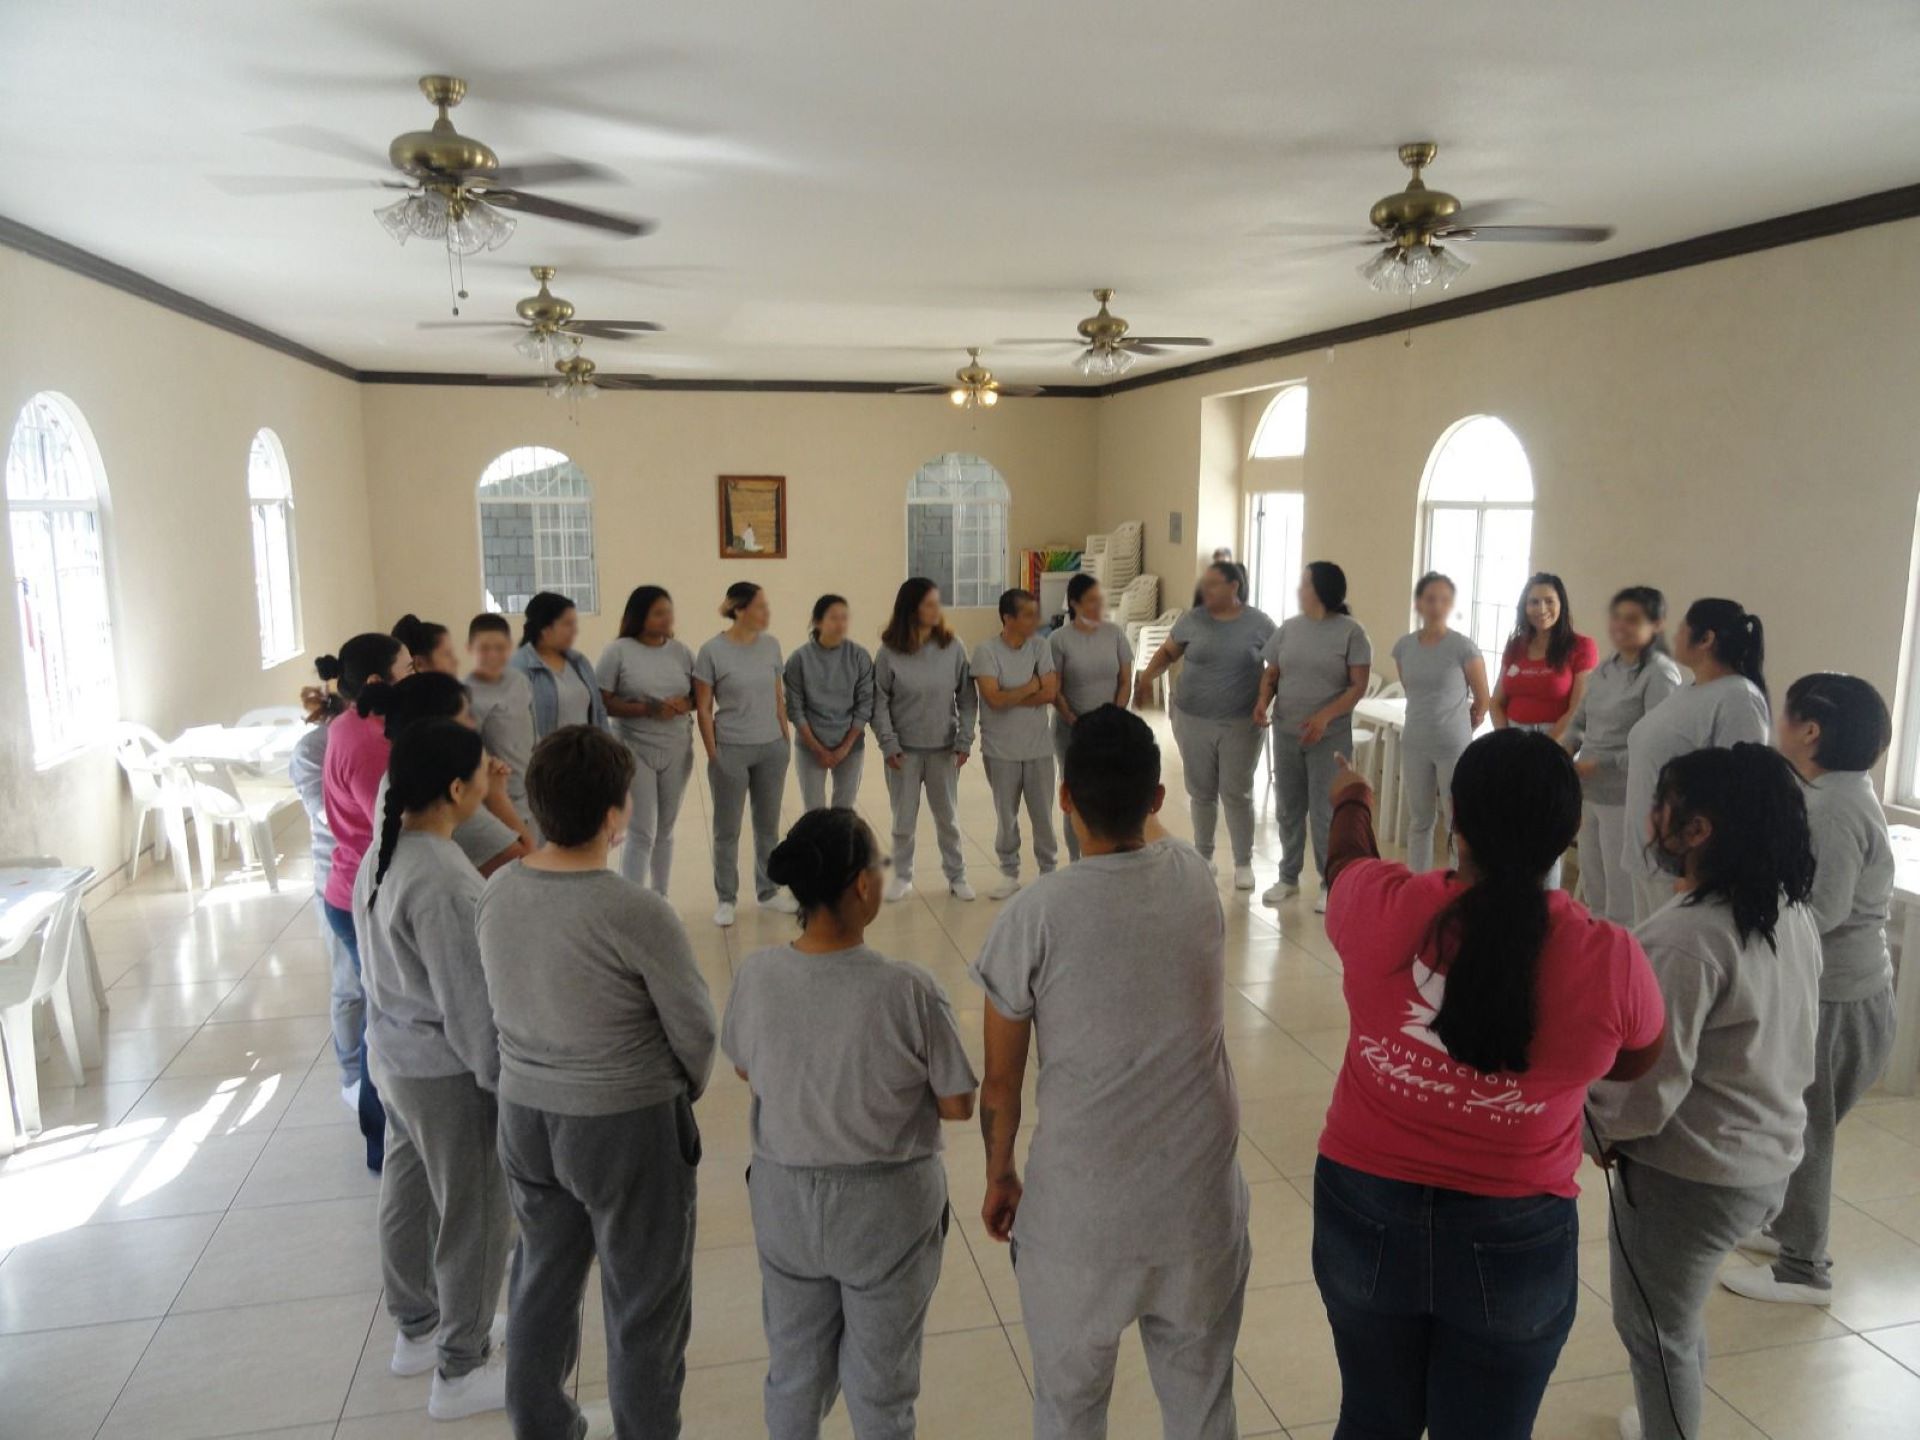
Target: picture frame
point(753, 517)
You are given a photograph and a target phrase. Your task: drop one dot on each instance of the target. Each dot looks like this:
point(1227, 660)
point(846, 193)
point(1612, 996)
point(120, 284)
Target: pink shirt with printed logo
point(1405, 1110)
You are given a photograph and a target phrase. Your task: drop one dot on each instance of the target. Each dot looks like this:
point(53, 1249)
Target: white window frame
point(1275, 517)
point(276, 558)
point(1479, 509)
point(66, 724)
point(547, 510)
point(1269, 430)
point(1903, 766)
point(973, 515)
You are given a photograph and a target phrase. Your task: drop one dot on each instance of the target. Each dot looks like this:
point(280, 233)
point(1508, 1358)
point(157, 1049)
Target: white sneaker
point(723, 914)
point(782, 902)
point(1761, 1243)
point(1005, 888)
point(1243, 877)
point(1756, 1282)
point(1279, 892)
point(1629, 1423)
point(960, 890)
point(1320, 902)
point(473, 1393)
point(350, 1096)
point(599, 1417)
point(416, 1357)
point(898, 890)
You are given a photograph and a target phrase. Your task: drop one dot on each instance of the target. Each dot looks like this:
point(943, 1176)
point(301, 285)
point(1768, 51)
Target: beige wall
point(653, 459)
point(173, 406)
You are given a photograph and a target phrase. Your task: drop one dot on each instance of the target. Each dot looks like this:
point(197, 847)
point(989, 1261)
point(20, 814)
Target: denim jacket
point(546, 690)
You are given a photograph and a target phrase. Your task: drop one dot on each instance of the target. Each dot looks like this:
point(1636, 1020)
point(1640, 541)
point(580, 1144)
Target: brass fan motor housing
point(545, 311)
point(577, 371)
point(441, 151)
point(1103, 329)
point(973, 375)
point(1413, 214)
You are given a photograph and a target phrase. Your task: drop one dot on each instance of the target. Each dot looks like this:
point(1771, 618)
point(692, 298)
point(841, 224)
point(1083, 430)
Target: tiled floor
point(189, 1250)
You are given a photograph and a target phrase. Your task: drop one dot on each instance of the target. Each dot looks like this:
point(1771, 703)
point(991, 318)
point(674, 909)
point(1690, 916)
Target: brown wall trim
point(640, 382)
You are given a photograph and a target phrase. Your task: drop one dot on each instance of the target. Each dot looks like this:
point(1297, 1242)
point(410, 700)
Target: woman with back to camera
point(1725, 648)
point(646, 680)
point(1317, 667)
point(1445, 679)
point(1445, 1233)
point(1220, 640)
point(1638, 676)
point(1095, 665)
point(565, 689)
point(924, 708)
point(1703, 1145)
point(849, 1200)
point(306, 772)
point(737, 692)
point(829, 684)
point(430, 645)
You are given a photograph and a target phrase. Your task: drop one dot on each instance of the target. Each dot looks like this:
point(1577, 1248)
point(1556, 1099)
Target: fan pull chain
point(456, 277)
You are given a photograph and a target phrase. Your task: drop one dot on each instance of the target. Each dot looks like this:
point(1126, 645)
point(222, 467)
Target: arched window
point(276, 568)
point(1282, 431)
point(957, 528)
point(59, 565)
point(1477, 525)
point(536, 530)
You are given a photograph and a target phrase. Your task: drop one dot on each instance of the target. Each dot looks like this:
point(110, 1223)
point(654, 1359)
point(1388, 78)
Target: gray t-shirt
point(846, 1053)
point(1618, 694)
point(1312, 657)
point(428, 1015)
point(573, 701)
point(830, 691)
point(599, 1002)
point(481, 836)
point(1120, 962)
point(1221, 667)
point(1019, 732)
point(1091, 664)
point(1724, 1104)
point(746, 688)
point(503, 709)
point(1723, 712)
point(1439, 700)
point(306, 772)
point(924, 701)
point(1852, 884)
point(637, 671)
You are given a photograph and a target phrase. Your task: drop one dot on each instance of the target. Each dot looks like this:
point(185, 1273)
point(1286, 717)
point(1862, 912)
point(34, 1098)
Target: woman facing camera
point(646, 680)
point(1095, 665)
point(1445, 679)
point(565, 690)
point(829, 703)
point(1543, 674)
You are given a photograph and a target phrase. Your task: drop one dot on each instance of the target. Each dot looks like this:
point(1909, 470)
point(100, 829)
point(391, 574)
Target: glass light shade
point(989, 397)
point(1449, 266)
point(1103, 362)
point(422, 215)
point(1394, 271)
point(547, 347)
point(479, 227)
point(958, 397)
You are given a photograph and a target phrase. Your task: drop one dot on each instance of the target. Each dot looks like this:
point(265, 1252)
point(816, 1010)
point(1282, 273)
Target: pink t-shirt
point(1537, 693)
point(350, 782)
point(1406, 1110)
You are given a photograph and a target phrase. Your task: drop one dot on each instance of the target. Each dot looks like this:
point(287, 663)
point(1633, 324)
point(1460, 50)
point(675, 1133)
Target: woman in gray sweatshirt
point(646, 680)
point(924, 707)
point(829, 702)
point(1704, 1143)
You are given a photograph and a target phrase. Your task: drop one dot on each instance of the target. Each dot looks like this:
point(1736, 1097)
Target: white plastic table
point(1903, 1071)
point(263, 747)
point(1387, 718)
point(22, 888)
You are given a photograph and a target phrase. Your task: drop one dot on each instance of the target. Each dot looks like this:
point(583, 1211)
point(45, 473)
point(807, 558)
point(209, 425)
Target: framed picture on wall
point(753, 517)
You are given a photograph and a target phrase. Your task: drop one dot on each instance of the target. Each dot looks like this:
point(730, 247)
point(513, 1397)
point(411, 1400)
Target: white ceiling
point(838, 182)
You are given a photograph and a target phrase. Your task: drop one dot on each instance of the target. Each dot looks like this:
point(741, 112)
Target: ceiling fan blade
point(314, 139)
point(293, 184)
point(618, 324)
point(624, 382)
point(553, 171)
point(1485, 212)
point(599, 332)
point(523, 203)
point(927, 389)
point(1134, 342)
point(1078, 342)
point(1021, 390)
point(1536, 234)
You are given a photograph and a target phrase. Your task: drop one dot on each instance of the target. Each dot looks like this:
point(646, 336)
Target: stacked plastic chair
point(1114, 559)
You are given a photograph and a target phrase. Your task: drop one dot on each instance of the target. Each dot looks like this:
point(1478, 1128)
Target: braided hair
point(823, 854)
point(421, 769)
point(1760, 852)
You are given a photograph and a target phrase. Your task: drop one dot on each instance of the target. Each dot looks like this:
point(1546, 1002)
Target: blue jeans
point(373, 1115)
point(1448, 1310)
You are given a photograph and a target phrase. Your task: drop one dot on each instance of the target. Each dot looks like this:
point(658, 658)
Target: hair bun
point(793, 864)
point(327, 667)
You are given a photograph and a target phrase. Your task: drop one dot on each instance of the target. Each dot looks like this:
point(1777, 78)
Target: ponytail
point(1759, 851)
point(1739, 639)
point(428, 695)
point(362, 660)
point(425, 762)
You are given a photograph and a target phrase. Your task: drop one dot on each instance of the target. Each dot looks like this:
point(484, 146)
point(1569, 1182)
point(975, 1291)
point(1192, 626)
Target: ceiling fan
point(1106, 349)
point(574, 379)
point(1409, 225)
point(549, 330)
point(972, 385)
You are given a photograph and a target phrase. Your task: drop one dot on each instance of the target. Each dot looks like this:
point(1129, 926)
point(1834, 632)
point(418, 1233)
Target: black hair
point(486, 622)
point(541, 613)
point(1234, 573)
point(1855, 728)
point(820, 607)
point(740, 594)
point(1112, 769)
point(899, 635)
point(1760, 852)
point(633, 619)
point(1432, 577)
point(577, 774)
point(1077, 589)
point(1012, 600)
point(823, 854)
point(1653, 604)
point(321, 703)
point(1559, 639)
point(421, 637)
point(363, 658)
point(1516, 804)
point(421, 769)
point(1329, 583)
point(427, 695)
point(1739, 639)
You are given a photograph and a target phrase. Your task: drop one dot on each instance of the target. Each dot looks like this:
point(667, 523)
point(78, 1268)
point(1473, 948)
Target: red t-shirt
point(1406, 1110)
point(1536, 692)
point(357, 752)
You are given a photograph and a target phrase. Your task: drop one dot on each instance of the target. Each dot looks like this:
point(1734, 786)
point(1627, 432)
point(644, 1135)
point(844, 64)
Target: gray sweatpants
point(813, 779)
point(620, 1189)
point(1218, 758)
point(1062, 734)
point(1303, 775)
point(849, 1258)
point(1605, 883)
point(1032, 783)
point(347, 1003)
point(1854, 1045)
point(740, 773)
point(934, 772)
point(659, 785)
point(1189, 1317)
point(1676, 1234)
point(445, 1225)
point(1427, 758)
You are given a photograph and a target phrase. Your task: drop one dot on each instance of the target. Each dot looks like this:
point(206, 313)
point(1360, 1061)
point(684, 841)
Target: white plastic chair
point(157, 785)
point(219, 800)
point(273, 715)
point(84, 987)
point(32, 968)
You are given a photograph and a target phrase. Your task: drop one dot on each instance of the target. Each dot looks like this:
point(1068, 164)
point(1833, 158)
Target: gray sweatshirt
point(428, 1015)
point(924, 701)
point(1723, 712)
point(306, 768)
point(831, 691)
point(1725, 1103)
point(1852, 884)
point(1618, 694)
point(600, 1005)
